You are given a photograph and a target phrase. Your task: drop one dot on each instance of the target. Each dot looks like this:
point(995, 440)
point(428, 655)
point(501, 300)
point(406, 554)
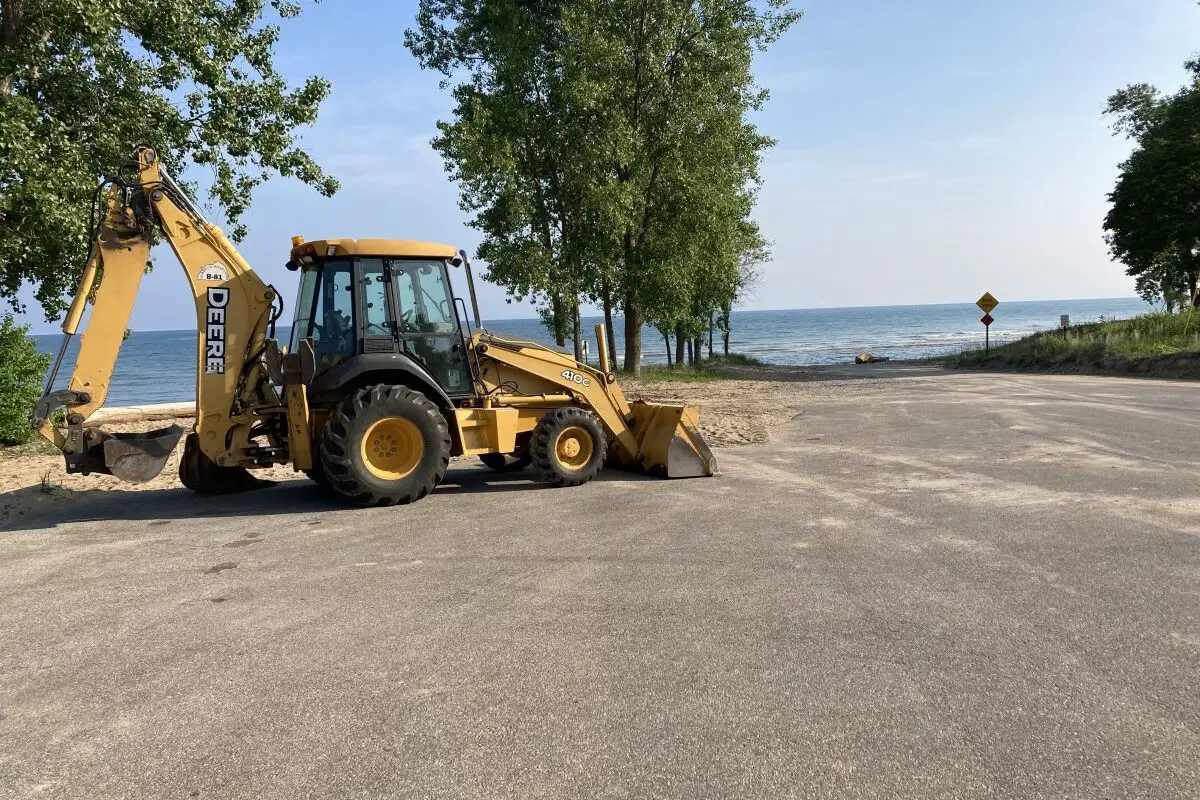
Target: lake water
point(159, 366)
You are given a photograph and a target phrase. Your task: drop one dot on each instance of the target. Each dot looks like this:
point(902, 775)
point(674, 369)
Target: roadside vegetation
point(22, 368)
point(1161, 342)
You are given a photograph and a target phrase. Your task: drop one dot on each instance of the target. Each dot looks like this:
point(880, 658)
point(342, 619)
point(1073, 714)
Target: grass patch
point(710, 369)
point(1154, 342)
point(734, 360)
point(34, 447)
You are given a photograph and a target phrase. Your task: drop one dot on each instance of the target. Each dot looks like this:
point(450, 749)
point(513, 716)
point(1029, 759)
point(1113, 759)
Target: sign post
point(987, 304)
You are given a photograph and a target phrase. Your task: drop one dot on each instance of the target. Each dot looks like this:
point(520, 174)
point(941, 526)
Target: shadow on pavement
point(282, 497)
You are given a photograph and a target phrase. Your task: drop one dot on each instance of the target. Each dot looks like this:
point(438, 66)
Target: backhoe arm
point(233, 307)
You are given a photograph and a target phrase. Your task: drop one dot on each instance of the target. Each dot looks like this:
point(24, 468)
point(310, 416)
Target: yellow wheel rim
point(391, 448)
point(574, 447)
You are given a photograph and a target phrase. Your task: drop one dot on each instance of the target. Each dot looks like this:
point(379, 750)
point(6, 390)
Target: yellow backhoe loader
point(383, 380)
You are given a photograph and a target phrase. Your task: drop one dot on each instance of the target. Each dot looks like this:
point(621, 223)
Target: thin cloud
point(983, 142)
point(377, 155)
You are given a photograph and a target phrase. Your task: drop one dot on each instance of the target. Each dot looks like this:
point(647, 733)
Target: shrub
point(22, 369)
point(735, 360)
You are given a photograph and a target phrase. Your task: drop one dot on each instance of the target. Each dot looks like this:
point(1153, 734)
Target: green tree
point(674, 85)
point(22, 368)
point(81, 84)
point(1153, 225)
point(603, 146)
point(505, 146)
point(752, 252)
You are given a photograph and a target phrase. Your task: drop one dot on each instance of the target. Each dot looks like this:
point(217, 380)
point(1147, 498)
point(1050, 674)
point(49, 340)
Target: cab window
point(375, 301)
point(305, 300)
point(333, 325)
point(426, 305)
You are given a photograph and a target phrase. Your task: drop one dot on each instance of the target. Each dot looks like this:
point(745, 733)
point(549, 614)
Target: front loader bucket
point(133, 457)
point(669, 441)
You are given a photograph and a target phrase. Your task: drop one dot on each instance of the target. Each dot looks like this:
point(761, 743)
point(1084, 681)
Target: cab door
point(377, 307)
point(325, 313)
point(427, 324)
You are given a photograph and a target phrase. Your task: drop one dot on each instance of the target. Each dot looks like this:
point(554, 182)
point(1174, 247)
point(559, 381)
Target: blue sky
point(928, 150)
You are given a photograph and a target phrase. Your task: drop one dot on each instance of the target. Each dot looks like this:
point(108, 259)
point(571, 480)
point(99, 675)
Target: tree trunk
point(667, 339)
point(609, 333)
point(726, 326)
point(12, 25)
point(680, 344)
point(698, 347)
point(633, 338)
point(558, 313)
point(578, 337)
point(711, 324)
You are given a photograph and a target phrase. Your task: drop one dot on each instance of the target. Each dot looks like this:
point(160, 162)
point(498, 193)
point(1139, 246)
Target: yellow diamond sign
point(987, 303)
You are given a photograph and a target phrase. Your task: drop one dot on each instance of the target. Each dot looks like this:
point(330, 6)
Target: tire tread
point(336, 450)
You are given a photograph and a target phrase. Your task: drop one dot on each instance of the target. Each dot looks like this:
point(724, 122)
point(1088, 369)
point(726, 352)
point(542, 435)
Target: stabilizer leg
point(198, 472)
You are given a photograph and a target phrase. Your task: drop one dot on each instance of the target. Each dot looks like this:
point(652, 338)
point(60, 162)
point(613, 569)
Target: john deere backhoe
point(383, 380)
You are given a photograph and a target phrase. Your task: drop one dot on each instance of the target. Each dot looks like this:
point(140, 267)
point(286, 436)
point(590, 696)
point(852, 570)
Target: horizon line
point(739, 310)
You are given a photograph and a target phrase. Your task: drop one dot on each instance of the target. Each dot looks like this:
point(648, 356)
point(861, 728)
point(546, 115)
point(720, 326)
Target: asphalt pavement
point(951, 586)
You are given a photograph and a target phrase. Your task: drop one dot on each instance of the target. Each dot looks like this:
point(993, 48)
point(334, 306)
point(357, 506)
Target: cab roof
point(396, 248)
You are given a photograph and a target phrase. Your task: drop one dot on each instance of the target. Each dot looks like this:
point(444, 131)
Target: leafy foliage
point(1164, 340)
point(604, 150)
point(1153, 226)
point(82, 84)
point(22, 368)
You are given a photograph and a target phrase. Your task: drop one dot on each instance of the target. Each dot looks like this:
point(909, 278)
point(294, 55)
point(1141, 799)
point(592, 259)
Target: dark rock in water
point(867, 358)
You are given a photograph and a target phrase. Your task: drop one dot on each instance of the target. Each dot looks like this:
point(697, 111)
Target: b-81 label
point(575, 377)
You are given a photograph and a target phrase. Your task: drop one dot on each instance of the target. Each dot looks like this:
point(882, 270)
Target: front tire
point(568, 447)
point(385, 445)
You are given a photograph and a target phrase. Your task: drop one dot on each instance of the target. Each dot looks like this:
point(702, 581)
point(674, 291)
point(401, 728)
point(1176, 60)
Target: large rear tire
point(568, 447)
point(385, 445)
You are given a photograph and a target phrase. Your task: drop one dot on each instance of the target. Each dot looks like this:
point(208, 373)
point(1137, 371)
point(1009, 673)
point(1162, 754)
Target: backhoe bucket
point(669, 441)
point(132, 457)
point(138, 457)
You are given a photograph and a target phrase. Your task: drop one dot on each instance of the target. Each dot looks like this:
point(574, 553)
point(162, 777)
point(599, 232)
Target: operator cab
point(373, 304)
